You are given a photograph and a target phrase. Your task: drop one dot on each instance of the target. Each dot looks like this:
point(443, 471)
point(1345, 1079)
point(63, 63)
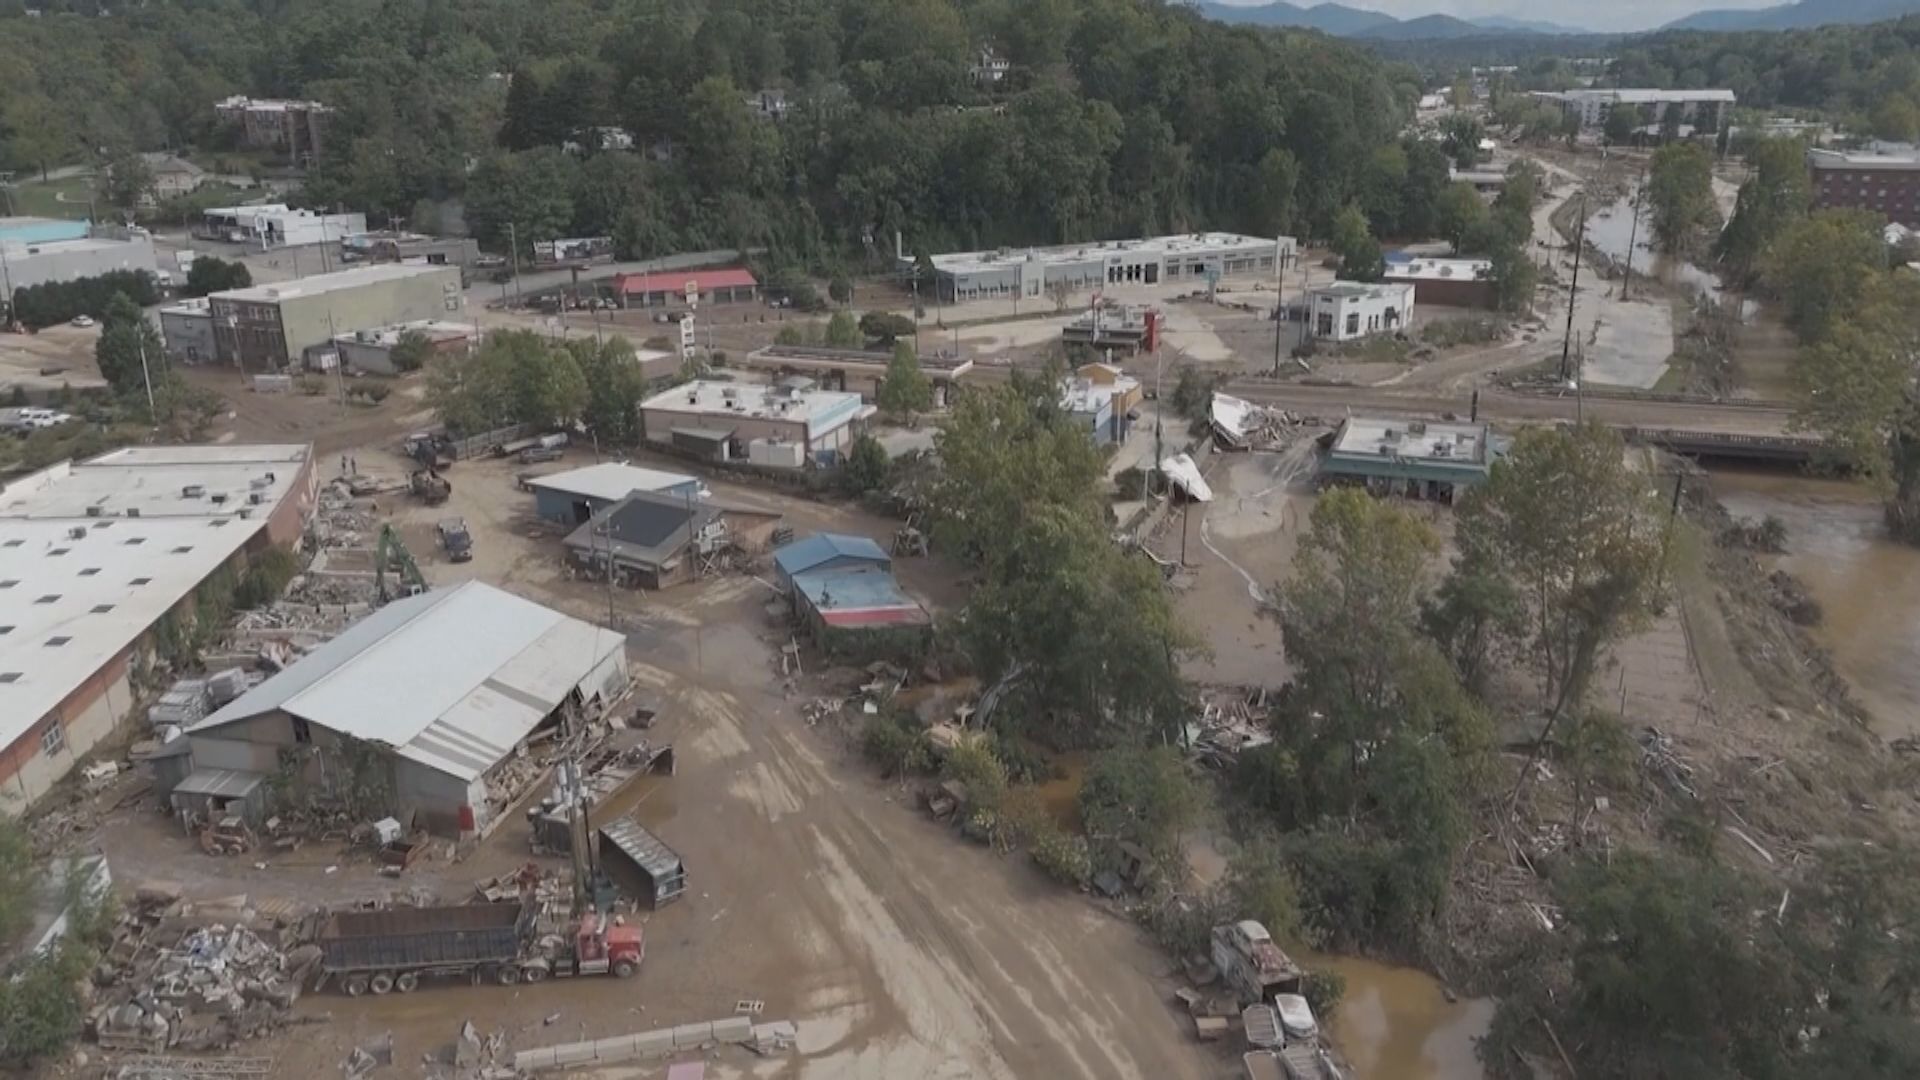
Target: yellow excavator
point(391, 551)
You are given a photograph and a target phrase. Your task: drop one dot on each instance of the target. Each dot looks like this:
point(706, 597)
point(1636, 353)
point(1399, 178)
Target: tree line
point(1119, 116)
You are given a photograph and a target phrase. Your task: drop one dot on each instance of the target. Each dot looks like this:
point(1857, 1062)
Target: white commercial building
point(93, 556)
point(1347, 310)
point(447, 686)
point(1028, 273)
point(24, 264)
point(272, 225)
point(1702, 108)
point(765, 425)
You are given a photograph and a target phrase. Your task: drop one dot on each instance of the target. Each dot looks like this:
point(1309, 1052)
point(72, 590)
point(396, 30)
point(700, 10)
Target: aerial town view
point(949, 539)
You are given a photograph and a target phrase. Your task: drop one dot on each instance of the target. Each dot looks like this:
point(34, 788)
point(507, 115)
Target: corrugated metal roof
point(611, 480)
point(451, 678)
point(803, 555)
point(220, 783)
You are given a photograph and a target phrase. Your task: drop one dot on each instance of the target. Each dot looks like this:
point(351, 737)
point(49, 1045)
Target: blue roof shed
point(828, 551)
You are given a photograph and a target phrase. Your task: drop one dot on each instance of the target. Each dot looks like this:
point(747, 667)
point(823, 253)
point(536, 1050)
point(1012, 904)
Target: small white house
point(1347, 310)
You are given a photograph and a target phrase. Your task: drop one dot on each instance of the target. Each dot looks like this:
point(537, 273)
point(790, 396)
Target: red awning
point(670, 281)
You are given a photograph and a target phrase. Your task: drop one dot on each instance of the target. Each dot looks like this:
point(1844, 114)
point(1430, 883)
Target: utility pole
point(513, 252)
point(1633, 234)
point(1573, 293)
point(145, 375)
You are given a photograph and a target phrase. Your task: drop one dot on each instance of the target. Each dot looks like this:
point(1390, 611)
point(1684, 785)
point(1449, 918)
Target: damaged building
point(101, 562)
point(422, 711)
point(657, 539)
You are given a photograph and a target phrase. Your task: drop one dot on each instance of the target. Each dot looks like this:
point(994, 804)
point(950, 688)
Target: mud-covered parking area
point(898, 949)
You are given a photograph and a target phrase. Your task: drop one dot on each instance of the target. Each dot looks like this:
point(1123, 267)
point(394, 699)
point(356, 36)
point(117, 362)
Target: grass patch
point(45, 199)
point(1469, 330)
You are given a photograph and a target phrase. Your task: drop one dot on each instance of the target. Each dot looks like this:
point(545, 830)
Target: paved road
point(1495, 404)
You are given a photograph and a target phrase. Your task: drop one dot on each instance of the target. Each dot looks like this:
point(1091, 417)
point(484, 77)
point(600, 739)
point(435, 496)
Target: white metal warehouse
point(447, 685)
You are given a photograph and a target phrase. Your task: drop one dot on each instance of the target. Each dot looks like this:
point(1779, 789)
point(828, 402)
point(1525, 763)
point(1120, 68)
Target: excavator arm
point(390, 550)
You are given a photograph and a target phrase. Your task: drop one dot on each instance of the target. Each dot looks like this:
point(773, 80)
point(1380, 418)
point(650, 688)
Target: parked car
point(83, 321)
point(455, 538)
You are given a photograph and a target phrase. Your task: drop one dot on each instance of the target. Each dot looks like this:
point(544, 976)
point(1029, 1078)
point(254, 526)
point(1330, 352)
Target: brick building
point(1886, 183)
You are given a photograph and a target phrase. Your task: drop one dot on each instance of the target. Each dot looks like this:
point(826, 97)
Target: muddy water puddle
point(1396, 1023)
point(1868, 587)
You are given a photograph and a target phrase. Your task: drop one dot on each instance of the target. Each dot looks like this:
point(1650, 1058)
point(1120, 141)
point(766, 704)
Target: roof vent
point(96, 510)
point(78, 532)
point(244, 513)
point(193, 491)
point(256, 497)
point(217, 498)
point(133, 511)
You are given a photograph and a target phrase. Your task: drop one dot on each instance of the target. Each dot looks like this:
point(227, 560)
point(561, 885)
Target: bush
point(1062, 856)
point(1475, 330)
point(375, 393)
point(973, 763)
point(885, 327)
point(311, 385)
point(897, 748)
point(1323, 988)
point(867, 465)
point(266, 578)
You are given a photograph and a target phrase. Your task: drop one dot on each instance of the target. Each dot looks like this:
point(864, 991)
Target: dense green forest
point(1118, 116)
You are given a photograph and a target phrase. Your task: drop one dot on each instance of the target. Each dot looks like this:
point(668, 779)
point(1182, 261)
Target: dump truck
point(382, 951)
point(1251, 964)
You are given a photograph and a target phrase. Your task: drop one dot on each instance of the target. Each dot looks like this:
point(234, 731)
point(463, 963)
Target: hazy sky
point(1586, 14)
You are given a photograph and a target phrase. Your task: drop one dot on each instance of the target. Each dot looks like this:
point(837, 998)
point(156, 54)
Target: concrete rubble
point(175, 982)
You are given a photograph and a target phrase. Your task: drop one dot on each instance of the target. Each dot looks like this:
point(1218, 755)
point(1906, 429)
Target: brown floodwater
point(1395, 1023)
point(1868, 587)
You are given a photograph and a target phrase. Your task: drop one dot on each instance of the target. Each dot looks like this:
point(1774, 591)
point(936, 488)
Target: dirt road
point(898, 948)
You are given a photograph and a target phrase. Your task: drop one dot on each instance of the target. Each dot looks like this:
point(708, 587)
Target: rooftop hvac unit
point(193, 491)
point(244, 513)
point(217, 498)
point(1443, 449)
point(255, 498)
point(1418, 427)
point(78, 532)
point(133, 511)
point(96, 510)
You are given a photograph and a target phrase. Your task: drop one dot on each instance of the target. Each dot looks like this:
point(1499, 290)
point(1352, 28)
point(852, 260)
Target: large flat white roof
point(609, 480)
point(358, 277)
point(26, 248)
point(451, 679)
point(75, 591)
point(1417, 440)
point(1164, 246)
point(1637, 96)
point(1425, 269)
point(754, 401)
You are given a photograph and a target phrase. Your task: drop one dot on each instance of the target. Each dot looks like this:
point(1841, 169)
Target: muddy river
point(1868, 587)
point(1395, 1023)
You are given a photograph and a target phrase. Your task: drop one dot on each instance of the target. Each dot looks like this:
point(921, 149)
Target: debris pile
point(185, 703)
point(1231, 721)
point(1241, 425)
point(218, 984)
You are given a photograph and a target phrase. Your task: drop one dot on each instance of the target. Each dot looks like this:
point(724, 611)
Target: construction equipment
point(456, 540)
point(382, 951)
point(390, 551)
point(228, 836)
point(429, 486)
point(430, 450)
